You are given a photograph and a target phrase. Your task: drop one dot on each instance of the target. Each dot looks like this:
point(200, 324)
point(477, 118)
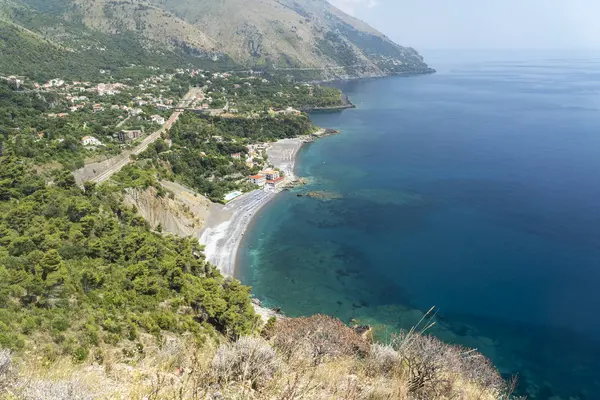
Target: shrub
point(62, 390)
point(79, 354)
point(269, 329)
point(429, 362)
point(249, 359)
point(319, 337)
point(382, 360)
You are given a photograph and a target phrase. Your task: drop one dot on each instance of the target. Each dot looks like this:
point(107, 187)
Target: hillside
point(44, 40)
point(289, 33)
point(264, 34)
point(24, 52)
point(94, 304)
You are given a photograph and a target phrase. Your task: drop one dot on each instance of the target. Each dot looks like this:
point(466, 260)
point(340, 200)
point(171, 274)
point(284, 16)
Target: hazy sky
point(483, 24)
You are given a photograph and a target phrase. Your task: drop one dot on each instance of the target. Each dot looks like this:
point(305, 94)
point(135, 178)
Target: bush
point(382, 360)
point(269, 329)
point(429, 362)
point(62, 390)
point(249, 359)
point(319, 337)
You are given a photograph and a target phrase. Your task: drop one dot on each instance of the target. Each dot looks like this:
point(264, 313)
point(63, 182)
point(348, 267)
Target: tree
point(51, 262)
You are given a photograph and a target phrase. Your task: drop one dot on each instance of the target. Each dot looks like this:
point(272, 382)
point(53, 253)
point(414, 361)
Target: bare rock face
point(180, 212)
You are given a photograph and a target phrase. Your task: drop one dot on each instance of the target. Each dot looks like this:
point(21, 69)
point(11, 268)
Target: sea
point(475, 190)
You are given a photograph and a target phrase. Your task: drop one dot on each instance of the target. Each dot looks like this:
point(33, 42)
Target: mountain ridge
point(258, 34)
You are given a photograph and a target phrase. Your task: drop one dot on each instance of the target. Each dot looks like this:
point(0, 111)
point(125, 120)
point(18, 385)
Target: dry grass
point(250, 360)
point(310, 358)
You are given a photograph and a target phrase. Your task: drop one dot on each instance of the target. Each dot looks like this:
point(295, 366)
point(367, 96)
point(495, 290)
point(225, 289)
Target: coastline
point(227, 224)
point(333, 81)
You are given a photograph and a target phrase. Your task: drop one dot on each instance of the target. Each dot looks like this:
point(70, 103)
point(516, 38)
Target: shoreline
point(227, 224)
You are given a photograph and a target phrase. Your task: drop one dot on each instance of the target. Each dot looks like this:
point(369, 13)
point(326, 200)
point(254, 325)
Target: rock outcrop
point(180, 211)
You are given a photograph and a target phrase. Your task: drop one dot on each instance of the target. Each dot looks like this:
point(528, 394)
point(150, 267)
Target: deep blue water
point(476, 190)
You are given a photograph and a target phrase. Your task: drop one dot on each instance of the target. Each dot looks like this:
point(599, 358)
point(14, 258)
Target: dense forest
point(78, 268)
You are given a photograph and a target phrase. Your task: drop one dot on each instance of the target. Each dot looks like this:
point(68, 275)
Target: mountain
point(298, 36)
point(292, 34)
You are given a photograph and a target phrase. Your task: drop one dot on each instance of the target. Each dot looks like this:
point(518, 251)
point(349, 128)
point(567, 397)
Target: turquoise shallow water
point(474, 190)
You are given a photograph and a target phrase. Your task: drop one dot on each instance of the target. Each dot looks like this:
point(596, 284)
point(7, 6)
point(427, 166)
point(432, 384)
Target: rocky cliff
point(180, 211)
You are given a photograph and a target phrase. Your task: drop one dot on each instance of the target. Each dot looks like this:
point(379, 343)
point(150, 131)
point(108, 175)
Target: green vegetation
point(23, 52)
point(26, 129)
point(38, 125)
point(41, 44)
point(78, 268)
point(252, 93)
point(281, 93)
point(200, 156)
point(337, 49)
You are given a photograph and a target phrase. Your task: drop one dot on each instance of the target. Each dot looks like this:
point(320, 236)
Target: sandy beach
point(226, 224)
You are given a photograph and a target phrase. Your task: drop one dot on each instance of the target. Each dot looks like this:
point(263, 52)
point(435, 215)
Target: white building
point(90, 141)
point(271, 174)
point(275, 183)
point(259, 180)
point(158, 119)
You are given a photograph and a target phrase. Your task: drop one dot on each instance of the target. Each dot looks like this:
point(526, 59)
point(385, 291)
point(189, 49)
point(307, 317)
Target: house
point(53, 83)
point(15, 81)
point(109, 88)
point(158, 119)
point(259, 180)
point(271, 174)
point(90, 141)
point(290, 111)
point(127, 136)
point(97, 107)
point(274, 183)
point(237, 156)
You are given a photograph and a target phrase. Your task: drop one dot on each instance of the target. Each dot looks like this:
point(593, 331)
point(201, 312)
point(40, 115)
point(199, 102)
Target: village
point(127, 111)
point(113, 119)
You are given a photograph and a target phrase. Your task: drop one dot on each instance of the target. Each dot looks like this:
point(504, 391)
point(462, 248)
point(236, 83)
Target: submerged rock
point(323, 195)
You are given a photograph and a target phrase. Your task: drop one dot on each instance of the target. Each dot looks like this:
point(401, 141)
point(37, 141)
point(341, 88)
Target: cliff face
point(180, 212)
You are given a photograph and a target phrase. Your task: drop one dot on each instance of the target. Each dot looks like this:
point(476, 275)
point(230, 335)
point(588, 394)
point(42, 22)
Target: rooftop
point(276, 180)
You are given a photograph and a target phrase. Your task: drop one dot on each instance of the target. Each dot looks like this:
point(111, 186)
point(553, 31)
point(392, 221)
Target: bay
point(475, 190)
